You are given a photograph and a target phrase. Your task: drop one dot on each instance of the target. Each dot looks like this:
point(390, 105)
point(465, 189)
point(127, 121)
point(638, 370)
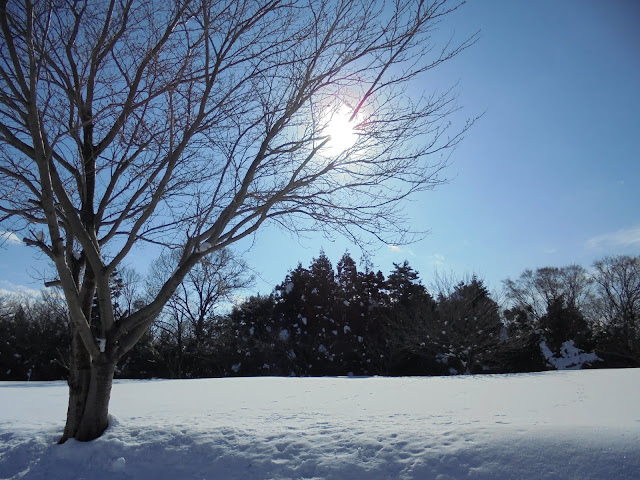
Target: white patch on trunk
point(204, 246)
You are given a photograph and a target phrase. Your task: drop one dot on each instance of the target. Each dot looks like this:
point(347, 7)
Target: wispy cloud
point(402, 250)
point(437, 259)
point(627, 237)
point(9, 237)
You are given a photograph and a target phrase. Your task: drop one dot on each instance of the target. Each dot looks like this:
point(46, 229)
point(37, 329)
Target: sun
point(341, 132)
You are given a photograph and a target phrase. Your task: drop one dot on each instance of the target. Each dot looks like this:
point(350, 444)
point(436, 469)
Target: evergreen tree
point(247, 338)
point(405, 289)
point(468, 327)
point(406, 319)
point(519, 350)
point(322, 339)
point(354, 312)
point(374, 339)
point(34, 336)
point(564, 323)
point(297, 322)
point(143, 360)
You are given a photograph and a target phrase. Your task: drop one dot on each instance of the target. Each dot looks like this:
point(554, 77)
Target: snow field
point(554, 425)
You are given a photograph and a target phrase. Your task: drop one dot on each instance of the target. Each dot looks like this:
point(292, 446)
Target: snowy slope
point(555, 425)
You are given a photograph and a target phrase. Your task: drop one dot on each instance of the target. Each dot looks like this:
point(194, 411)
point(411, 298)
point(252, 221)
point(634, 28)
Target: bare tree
point(618, 285)
point(214, 280)
point(535, 291)
point(127, 292)
point(190, 124)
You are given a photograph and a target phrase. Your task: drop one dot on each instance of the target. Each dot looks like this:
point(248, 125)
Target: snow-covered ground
point(555, 425)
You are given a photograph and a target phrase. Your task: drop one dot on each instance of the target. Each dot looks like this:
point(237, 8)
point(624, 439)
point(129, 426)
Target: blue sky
point(550, 175)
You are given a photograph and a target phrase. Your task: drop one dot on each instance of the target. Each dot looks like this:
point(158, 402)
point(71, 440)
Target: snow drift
point(569, 425)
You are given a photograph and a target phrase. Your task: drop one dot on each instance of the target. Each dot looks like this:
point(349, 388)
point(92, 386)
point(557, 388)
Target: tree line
point(349, 321)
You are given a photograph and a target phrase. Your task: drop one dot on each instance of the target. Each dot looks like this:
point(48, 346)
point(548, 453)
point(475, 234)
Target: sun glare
point(341, 132)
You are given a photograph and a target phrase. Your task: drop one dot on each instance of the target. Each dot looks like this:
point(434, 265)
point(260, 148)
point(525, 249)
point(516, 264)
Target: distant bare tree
point(127, 291)
point(536, 290)
point(190, 124)
point(618, 285)
point(214, 280)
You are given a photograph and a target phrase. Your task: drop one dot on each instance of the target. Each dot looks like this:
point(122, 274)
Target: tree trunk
point(95, 419)
point(78, 381)
point(89, 395)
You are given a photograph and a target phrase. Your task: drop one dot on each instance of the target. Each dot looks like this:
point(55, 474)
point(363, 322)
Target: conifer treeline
point(321, 321)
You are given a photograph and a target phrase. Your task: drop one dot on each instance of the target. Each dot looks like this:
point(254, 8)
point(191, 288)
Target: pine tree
point(469, 327)
point(246, 339)
point(404, 322)
point(353, 309)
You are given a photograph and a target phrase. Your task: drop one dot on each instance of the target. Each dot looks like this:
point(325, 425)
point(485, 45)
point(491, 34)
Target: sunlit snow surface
point(556, 425)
